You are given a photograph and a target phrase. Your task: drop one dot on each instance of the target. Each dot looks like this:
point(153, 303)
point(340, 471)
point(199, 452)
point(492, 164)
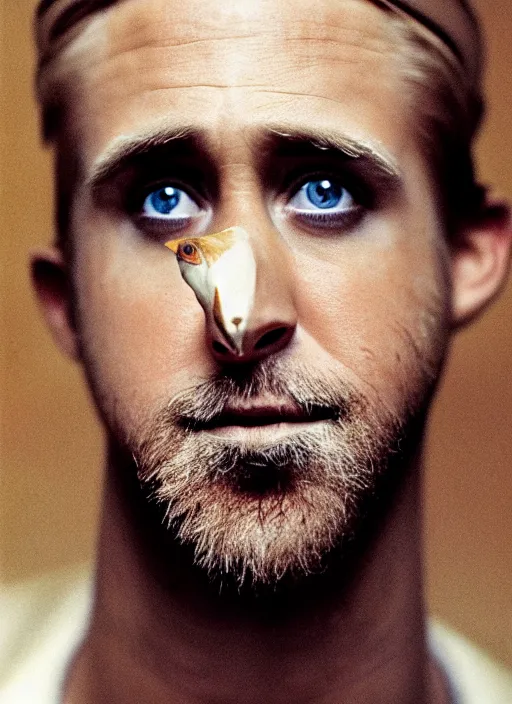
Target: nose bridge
point(274, 299)
point(262, 318)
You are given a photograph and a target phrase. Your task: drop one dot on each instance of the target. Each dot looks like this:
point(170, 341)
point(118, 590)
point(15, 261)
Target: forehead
point(228, 67)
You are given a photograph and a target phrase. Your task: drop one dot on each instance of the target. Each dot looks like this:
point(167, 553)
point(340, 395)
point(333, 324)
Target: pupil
point(165, 200)
point(188, 249)
point(323, 194)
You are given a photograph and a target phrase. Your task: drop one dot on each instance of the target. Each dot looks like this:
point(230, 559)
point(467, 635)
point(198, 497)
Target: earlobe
point(480, 263)
point(50, 278)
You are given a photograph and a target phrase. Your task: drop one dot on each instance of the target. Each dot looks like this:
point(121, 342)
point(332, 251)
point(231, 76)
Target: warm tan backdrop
point(50, 452)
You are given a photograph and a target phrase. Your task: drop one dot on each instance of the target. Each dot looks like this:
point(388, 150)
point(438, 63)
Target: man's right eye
point(169, 203)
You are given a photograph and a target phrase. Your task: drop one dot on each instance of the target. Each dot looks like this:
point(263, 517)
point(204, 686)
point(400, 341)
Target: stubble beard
point(257, 514)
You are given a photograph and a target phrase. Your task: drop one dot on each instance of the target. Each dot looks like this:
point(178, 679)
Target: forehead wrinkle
point(350, 38)
point(146, 26)
point(169, 78)
point(151, 19)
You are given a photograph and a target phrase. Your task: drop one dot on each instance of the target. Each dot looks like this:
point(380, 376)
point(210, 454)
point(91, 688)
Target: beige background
point(50, 453)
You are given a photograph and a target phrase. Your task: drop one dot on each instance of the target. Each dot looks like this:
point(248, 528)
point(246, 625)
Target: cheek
point(141, 327)
point(380, 311)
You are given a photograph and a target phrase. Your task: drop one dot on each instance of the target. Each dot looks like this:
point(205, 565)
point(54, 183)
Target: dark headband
point(452, 21)
point(455, 23)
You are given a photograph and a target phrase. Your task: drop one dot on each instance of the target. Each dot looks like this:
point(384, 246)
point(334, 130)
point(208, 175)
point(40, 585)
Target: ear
point(50, 278)
point(480, 262)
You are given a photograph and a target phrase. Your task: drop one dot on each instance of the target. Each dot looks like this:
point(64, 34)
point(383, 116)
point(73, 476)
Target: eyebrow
point(125, 149)
point(341, 143)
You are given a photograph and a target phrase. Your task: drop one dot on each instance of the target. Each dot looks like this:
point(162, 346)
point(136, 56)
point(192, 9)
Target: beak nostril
point(270, 338)
point(219, 347)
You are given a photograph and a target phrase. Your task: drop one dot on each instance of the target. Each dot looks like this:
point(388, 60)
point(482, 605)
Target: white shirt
point(43, 621)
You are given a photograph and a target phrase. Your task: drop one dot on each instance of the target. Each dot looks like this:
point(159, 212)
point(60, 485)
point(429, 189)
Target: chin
point(259, 506)
point(261, 515)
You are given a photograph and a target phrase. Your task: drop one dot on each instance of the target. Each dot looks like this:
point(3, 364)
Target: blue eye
point(169, 203)
point(324, 195)
point(165, 200)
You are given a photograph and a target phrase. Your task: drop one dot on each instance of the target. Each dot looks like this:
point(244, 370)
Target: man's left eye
point(169, 203)
point(322, 196)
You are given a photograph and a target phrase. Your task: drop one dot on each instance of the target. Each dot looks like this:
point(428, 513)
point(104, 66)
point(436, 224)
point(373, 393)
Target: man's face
point(253, 98)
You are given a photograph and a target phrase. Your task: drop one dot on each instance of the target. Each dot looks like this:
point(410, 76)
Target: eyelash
point(361, 192)
point(138, 192)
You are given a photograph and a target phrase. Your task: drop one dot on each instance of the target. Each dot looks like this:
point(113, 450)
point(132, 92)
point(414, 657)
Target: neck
point(166, 635)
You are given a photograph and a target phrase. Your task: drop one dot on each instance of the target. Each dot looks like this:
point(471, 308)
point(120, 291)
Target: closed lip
point(255, 415)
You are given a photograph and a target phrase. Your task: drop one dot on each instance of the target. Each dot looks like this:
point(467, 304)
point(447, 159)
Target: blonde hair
point(449, 115)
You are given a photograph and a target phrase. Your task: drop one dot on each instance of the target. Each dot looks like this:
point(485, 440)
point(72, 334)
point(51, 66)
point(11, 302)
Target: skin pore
point(241, 105)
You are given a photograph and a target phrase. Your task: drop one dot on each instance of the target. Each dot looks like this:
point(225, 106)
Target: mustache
point(317, 396)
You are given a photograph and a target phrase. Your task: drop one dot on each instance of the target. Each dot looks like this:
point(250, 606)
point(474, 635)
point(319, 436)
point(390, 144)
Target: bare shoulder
point(476, 678)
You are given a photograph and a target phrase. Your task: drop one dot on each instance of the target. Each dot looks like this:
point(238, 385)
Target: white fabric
point(42, 623)
point(474, 677)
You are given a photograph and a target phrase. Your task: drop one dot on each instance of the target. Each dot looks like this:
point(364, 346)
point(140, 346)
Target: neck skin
point(169, 638)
